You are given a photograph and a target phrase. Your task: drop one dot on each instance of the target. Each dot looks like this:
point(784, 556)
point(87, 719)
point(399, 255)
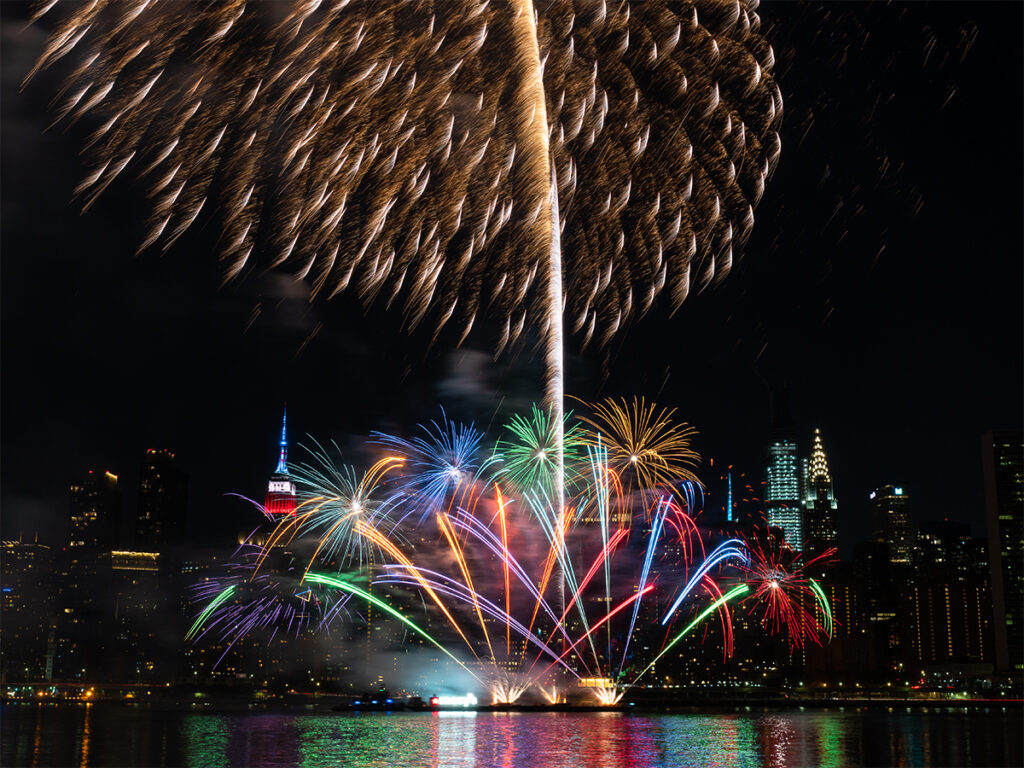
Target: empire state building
point(280, 500)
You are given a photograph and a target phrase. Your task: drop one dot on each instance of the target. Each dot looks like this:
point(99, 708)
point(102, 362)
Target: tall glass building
point(782, 494)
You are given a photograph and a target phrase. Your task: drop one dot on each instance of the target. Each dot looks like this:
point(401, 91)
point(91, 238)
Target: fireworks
point(262, 591)
point(523, 592)
point(529, 452)
point(333, 504)
point(438, 155)
point(785, 597)
point(442, 465)
point(645, 447)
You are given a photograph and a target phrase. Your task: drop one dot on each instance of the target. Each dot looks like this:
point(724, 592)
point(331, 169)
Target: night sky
point(882, 287)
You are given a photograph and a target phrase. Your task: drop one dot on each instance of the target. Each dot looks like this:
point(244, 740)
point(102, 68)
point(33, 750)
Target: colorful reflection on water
point(114, 735)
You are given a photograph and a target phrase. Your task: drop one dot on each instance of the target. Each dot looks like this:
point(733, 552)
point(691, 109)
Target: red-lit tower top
point(280, 501)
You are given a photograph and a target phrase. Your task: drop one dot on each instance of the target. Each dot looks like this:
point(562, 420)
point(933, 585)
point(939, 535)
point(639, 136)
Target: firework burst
point(645, 447)
point(786, 598)
point(262, 592)
point(440, 156)
point(529, 447)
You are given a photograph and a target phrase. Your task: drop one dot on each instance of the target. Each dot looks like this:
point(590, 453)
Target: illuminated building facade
point(783, 506)
point(783, 495)
point(890, 521)
point(26, 610)
point(820, 506)
point(949, 623)
point(280, 498)
point(1003, 463)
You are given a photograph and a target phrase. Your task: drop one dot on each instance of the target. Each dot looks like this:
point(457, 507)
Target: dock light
point(469, 700)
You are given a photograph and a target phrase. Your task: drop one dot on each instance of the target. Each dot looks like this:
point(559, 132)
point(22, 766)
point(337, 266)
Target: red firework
point(783, 593)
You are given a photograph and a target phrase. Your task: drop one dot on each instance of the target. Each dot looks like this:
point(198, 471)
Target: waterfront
point(116, 735)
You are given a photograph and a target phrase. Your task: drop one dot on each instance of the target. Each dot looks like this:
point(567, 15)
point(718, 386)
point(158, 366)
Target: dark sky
point(883, 286)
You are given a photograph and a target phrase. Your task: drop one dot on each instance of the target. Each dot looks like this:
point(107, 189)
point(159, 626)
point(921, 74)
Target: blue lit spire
point(728, 508)
point(282, 463)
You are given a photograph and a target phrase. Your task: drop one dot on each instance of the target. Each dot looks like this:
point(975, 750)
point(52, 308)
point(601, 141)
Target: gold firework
point(646, 448)
point(427, 153)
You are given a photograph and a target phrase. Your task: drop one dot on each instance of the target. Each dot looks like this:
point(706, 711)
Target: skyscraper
point(280, 499)
point(161, 510)
point(782, 494)
point(1003, 463)
point(947, 621)
point(890, 521)
point(95, 511)
point(80, 651)
point(820, 506)
point(26, 609)
point(140, 617)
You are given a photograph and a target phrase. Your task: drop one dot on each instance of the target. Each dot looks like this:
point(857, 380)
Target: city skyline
point(828, 299)
point(498, 382)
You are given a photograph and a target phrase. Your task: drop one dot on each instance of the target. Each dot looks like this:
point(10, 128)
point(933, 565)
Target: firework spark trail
point(736, 591)
point(213, 606)
point(407, 151)
point(715, 592)
point(387, 546)
point(652, 544)
point(733, 548)
point(444, 523)
point(334, 581)
point(555, 531)
point(604, 620)
point(446, 585)
point(504, 564)
point(556, 346)
point(823, 606)
point(602, 557)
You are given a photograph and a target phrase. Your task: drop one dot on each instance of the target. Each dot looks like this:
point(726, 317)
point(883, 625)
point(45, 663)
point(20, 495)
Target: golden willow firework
point(433, 154)
point(645, 447)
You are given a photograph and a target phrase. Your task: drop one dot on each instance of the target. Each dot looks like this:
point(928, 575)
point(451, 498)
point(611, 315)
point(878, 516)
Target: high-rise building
point(783, 507)
point(161, 509)
point(946, 548)
point(139, 622)
point(80, 651)
point(890, 521)
point(948, 622)
point(280, 499)
point(820, 527)
point(95, 511)
point(1003, 462)
point(26, 610)
point(783, 498)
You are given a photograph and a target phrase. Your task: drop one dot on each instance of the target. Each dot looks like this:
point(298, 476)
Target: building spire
point(282, 462)
point(818, 470)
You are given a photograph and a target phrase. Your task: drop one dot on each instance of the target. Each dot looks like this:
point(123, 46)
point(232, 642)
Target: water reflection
point(114, 735)
point(456, 739)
